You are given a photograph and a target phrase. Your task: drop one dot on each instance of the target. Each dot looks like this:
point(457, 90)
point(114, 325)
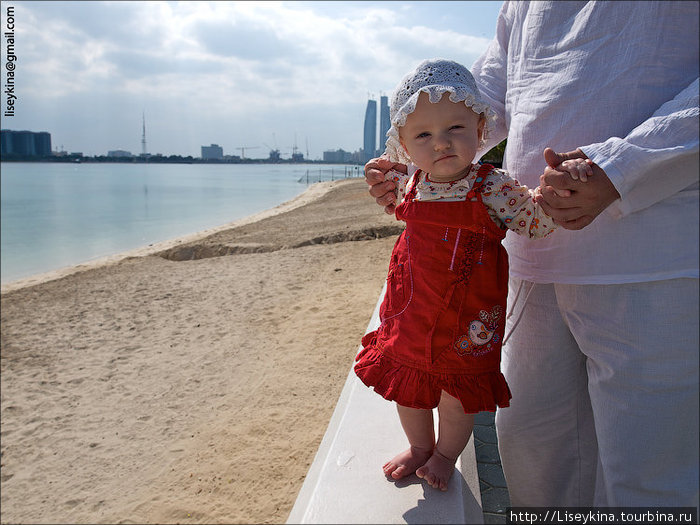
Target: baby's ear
point(481, 126)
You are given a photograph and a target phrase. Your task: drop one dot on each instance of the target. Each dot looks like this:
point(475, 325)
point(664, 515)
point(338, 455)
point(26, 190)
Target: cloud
point(244, 40)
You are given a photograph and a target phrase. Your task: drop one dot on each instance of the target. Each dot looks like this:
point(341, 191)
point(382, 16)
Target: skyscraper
point(370, 142)
point(384, 121)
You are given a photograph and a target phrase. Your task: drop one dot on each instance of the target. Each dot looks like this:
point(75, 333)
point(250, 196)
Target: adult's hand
point(382, 190)
point(587, 199)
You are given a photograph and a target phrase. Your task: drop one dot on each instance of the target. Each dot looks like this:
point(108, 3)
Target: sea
point(56, 215)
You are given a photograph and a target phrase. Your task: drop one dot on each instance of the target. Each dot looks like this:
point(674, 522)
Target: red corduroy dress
point(443, 315)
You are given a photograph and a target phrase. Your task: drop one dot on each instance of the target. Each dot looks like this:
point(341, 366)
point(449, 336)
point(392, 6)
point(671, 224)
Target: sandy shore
point(192, 381)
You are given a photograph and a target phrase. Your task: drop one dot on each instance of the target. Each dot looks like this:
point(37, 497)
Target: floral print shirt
point(510, 205)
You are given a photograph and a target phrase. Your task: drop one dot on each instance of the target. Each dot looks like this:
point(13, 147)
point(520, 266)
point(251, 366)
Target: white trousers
point(605, 395)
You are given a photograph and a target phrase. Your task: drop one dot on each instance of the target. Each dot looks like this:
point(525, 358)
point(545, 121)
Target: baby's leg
point(418, 425)
point(454, 429)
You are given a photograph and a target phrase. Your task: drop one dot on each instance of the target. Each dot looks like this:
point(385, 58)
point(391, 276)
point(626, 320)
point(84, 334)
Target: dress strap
point(481, 174)
point(411, 193)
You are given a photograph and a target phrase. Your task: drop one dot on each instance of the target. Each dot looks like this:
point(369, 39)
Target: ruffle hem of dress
point(416, 388)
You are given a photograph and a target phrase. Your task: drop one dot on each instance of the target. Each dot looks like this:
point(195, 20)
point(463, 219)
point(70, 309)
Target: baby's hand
point(579, 169)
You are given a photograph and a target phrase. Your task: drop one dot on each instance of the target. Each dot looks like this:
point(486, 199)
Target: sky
point(253, 75)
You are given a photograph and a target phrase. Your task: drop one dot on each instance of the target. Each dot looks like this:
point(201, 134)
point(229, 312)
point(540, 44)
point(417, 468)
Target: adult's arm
point(657, 159)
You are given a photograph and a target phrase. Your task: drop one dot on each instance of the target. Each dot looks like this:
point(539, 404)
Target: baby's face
point(442, 138)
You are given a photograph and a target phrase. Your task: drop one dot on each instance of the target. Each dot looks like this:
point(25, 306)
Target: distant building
point(119, 153)
point(25, 143)
point(213, 152)
point(42, 143)
point(384, 122)
point(370, 134)
point(339, 156)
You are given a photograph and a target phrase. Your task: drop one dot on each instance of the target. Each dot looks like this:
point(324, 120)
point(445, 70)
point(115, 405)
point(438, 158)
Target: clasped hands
point(571, 192)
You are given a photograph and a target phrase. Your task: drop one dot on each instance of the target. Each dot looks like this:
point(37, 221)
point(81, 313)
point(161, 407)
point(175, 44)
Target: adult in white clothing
point(603, 362)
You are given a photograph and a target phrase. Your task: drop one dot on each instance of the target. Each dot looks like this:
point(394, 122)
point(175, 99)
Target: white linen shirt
point(620, 81)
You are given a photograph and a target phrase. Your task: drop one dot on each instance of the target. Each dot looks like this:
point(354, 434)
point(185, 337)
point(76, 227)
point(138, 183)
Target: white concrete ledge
point(345, 483)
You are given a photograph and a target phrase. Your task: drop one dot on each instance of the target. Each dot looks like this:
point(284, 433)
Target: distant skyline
point(253, 75)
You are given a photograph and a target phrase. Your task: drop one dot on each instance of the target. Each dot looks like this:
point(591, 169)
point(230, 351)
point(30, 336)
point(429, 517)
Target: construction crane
point(296, 157)
point(243, 148)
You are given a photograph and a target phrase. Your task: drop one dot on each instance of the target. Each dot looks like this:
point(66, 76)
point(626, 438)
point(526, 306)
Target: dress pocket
point(398, 288)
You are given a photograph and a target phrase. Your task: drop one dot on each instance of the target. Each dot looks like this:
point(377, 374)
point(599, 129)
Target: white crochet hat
point(435, 77)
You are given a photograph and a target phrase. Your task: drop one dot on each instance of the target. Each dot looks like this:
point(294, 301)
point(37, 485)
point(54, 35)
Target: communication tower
point(143, 135)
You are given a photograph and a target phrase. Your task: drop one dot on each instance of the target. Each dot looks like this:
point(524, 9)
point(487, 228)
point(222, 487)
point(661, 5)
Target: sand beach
point(189, 381)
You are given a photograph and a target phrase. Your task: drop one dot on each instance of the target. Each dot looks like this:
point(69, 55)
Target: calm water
point(55, 215)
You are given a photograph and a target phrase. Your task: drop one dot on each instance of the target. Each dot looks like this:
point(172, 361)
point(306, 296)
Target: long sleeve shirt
point(509, 204)
point(620, 81)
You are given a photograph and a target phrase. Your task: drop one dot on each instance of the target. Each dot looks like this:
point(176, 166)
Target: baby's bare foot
point(406, 463)
point(437, 471)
